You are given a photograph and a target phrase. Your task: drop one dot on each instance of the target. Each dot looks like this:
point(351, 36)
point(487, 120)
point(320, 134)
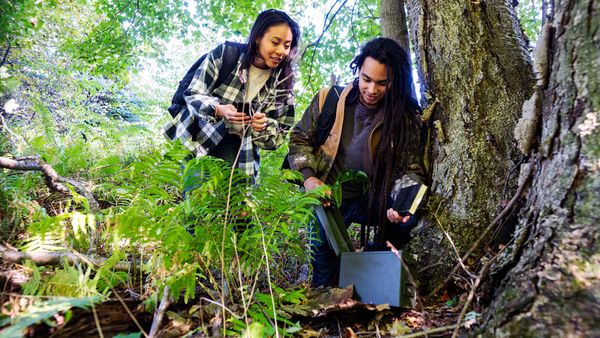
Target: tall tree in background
point(550, 285)
point(393, 21)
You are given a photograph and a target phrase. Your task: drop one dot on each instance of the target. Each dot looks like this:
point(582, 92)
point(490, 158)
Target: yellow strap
point(322, 96)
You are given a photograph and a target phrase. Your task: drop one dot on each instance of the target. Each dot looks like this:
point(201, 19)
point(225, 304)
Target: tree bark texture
point(393, 25)
point(476, 73)
point(393, 21)
point(549, 284)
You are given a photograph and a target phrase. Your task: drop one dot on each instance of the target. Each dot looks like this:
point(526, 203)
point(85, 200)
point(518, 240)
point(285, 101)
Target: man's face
point(372, 82)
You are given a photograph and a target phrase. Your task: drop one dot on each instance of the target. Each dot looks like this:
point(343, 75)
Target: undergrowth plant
point(224, 239)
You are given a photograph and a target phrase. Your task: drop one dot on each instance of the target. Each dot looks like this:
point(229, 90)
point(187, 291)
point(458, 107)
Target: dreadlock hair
point(401, 128)
point(265, 20)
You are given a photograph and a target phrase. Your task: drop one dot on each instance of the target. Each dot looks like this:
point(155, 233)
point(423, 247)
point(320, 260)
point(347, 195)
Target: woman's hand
point(230, 113)
point(395, 217)
point(259, 122)
point(312, 183)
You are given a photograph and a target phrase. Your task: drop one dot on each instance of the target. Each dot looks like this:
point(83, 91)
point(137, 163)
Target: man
point(377, 130)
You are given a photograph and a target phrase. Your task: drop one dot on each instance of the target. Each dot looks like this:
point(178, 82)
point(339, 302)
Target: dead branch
point(496, 220)
point(55, 258)
point(315, 43)
point(51, 177)
point(160, 312)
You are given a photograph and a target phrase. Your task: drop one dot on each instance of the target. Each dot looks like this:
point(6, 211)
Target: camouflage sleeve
point(302, 138)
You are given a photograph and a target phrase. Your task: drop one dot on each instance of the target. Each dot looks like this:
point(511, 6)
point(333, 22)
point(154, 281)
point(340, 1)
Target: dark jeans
point(326, 265)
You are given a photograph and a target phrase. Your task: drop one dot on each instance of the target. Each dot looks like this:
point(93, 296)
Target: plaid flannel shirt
point(197, 127)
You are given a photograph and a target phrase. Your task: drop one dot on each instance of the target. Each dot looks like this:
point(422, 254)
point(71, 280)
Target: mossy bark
point(548, 285)
point(473, 61)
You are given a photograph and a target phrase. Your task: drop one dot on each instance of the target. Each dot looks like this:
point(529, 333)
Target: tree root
point(51, 177)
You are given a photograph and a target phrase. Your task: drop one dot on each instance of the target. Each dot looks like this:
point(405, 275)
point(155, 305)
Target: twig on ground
point(470, 297)
point(160, 312)
point(480, 277)
point(431, 331)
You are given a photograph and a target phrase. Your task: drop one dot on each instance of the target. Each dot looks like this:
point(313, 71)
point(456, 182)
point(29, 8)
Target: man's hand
point(230, 113)
point(312, 183)
point(259, 122)
point(395, 217)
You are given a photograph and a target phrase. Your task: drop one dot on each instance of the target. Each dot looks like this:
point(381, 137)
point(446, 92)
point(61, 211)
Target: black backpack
point(325, 120)
point(231, 54)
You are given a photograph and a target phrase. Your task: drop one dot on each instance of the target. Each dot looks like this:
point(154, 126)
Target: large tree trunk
point(473, 62)
point(550, 286)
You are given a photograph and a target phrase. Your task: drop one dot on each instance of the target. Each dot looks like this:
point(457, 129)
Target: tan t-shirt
point(256, 80)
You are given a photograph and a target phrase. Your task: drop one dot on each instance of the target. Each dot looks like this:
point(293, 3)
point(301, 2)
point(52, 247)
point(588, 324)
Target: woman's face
point(273, 46)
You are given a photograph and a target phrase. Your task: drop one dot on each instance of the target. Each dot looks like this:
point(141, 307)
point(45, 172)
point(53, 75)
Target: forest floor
point(329, 312)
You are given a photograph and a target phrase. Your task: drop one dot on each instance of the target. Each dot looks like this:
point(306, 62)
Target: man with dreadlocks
point(377, 130)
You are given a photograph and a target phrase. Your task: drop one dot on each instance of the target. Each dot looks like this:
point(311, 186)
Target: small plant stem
point(239, 269)
point(86, 260)
point(460, 261)
point(97, 321)
point(222, 253)
point(221, 306)
point(266, 255)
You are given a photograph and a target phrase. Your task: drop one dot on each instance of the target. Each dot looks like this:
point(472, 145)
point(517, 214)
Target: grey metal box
point(378, 278)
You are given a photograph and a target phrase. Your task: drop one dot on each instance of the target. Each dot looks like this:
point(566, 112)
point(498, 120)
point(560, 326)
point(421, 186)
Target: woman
point(253, 107)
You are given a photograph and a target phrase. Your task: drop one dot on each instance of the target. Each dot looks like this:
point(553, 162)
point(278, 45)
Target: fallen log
point(53, 180)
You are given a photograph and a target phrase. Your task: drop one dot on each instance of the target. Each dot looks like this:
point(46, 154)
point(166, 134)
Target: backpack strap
point(231, 55)
point(328, 99)
point(322, 95)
